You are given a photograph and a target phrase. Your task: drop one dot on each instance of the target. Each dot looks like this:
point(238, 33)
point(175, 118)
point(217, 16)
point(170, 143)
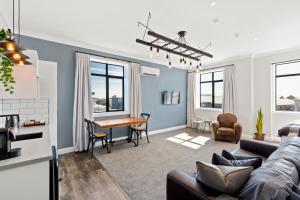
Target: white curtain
point(82, 101)
point(229, 96)
point(191, 92)
point(135, 90)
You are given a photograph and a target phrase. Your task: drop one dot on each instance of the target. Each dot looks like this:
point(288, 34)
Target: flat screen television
point(171, 97)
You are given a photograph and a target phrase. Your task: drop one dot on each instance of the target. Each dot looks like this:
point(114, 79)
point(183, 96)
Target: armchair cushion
point(225, 131)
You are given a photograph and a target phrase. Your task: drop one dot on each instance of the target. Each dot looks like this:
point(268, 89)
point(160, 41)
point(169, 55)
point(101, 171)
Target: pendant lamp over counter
point(13, 49)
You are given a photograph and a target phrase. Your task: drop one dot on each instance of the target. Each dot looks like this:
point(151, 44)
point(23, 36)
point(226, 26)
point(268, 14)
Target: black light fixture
point(16, 55)
point(169, 60)
point(177, 46)
point(161, 42)
point(151, 52)
point(12, 48)
point(170, 65)
point(198, 68)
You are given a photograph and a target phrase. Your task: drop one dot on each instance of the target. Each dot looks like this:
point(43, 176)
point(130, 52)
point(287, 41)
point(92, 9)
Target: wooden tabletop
point(120, 122)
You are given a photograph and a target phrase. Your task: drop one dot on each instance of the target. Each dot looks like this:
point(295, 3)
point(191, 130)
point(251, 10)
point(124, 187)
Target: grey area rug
point(142, 171)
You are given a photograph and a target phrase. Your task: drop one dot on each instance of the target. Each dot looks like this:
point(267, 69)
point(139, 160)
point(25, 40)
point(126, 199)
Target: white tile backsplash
point(37, 109)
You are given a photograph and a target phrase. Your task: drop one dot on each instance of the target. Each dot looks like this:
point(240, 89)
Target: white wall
point(243, 90)
point(263, 90)
point(254, 87)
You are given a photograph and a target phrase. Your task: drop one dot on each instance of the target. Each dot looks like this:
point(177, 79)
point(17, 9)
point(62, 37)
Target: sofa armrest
point(238, 131)
point(261, 148)
point(181, 186)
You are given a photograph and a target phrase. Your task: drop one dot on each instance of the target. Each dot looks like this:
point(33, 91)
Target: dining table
point(119, 122)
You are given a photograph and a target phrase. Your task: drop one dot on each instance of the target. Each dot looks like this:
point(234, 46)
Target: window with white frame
point(210, 86)
point(287, 82)
point(109, 86)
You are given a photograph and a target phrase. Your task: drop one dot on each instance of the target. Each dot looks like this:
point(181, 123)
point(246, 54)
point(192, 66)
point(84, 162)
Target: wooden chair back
point(146, 117)
point(89, 127)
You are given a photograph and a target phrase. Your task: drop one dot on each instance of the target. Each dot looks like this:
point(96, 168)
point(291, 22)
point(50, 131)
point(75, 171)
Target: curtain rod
point(213, 68)
point(109, 57)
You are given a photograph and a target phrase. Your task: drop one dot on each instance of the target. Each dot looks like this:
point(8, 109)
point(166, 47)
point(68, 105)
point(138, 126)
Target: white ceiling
point(113, 24)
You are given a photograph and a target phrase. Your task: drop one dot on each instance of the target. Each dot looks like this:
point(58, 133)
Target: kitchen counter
point(32, 150)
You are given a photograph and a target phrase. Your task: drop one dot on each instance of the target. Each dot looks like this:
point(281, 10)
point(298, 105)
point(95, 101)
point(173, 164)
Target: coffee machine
point(6, 137)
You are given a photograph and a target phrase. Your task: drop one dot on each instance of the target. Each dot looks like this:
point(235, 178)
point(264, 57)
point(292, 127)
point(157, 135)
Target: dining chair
point(94, 137)
point(139, 129)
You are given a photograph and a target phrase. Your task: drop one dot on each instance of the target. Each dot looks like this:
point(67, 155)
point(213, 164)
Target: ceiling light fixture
point(151, 52)
point(177, 46)
point(216, 20)
point(12, 49)
point(213, 3)
point(199, 66)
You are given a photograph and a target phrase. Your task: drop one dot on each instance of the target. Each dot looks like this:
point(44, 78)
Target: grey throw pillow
point(226, 179)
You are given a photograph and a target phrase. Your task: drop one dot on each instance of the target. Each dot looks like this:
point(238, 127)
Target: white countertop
point(32, 151)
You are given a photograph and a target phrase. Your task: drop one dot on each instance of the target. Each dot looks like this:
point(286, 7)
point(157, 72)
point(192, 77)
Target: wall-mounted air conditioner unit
point(149, 71)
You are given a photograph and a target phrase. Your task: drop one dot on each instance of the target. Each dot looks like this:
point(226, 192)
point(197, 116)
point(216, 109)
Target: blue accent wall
point(162, 116)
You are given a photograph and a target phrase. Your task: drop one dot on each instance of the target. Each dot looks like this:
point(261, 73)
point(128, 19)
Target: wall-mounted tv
point(172, 97)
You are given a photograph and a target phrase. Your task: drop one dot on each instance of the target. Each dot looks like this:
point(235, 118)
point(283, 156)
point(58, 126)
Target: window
point(107, 82)
point(287, 81)
point(211, 90)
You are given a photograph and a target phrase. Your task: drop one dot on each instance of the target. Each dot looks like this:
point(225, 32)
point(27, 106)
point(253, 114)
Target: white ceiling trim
point(79, 44)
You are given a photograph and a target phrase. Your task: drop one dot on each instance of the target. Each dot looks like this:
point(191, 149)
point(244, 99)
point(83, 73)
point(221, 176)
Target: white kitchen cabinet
point(29, 182)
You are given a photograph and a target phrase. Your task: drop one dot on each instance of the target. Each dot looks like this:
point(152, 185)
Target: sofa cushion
point(289, 150)
point(255, 162)
point(225, 131)
point(273, 180)
point(225, 179)
point(239, 161)
point(220, 160)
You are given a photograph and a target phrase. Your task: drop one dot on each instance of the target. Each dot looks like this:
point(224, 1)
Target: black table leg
point(204, 126)
point(129, 135)
point(110, 136)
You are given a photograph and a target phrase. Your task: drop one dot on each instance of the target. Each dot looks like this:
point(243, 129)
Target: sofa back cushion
point(227, 120)
point(274, 180)
point(278, 174)
point(289, 150)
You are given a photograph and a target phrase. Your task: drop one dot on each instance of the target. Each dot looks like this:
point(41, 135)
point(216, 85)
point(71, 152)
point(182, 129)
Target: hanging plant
point(6, 65)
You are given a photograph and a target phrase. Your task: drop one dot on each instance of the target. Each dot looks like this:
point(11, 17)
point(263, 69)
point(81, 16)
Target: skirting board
point(72, 149)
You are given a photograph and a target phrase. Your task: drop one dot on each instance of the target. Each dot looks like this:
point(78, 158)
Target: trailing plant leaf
point(6, 65)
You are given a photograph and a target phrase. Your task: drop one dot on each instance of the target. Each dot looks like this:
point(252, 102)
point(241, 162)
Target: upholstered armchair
point(227, 128)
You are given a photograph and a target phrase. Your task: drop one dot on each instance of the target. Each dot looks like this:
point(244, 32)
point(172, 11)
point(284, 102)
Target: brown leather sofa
point(181, 186)
point(227, 128)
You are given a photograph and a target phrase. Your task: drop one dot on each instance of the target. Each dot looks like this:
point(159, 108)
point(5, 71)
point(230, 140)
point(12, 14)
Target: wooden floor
point(85, 179)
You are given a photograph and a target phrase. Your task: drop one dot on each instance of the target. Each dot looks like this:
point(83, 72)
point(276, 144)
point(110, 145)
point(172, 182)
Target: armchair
point(227, 128)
